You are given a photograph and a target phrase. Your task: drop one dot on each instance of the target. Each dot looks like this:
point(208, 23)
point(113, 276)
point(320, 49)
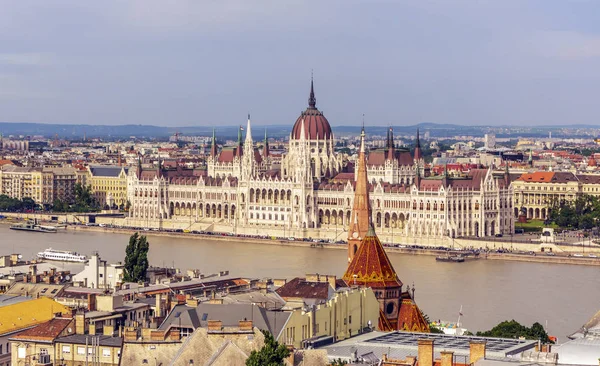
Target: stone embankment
point(528, 252)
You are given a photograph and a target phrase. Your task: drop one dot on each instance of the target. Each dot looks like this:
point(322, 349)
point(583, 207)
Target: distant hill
point(230, 132)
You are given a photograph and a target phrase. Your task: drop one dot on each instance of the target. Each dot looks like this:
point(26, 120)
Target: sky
point(211, 62)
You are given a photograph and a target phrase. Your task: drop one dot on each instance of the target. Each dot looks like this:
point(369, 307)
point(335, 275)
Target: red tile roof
point(300, 288)
point(371, 266)
point(46, 331)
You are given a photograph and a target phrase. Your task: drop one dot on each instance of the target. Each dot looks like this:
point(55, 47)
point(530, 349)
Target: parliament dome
point(316, 125)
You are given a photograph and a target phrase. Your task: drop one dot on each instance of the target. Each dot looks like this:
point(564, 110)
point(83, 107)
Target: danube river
point(561, 296)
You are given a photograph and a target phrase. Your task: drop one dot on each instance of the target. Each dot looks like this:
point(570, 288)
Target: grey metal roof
point(107, 171)
point(12, 299)
point(107, 341)
point(229, 314)
point(399, 345)
point(581, 351)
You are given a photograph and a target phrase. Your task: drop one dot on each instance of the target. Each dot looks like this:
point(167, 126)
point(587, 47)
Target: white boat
point(451, 328)
point(34, 227)
point(61, 255)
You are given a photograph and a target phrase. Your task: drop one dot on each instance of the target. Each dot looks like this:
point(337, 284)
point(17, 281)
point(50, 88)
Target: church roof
point(410, 318)
point(371, 266)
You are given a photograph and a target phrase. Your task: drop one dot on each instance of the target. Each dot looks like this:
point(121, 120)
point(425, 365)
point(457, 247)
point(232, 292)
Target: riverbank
point(220, 237)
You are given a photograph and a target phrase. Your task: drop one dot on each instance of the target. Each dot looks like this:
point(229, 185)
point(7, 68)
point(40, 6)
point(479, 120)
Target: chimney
point(312, 277)
point(291, 357)
point(108, 330)
point(215, 325)
point(130, 334)
point(158, 312)
point(476, 351)
point(245, 325)
point(191, 302)
point(447, 358)
point(91, 298)
point(80, 325)
point(425, 352)
point(331, 279)
point(174, 335)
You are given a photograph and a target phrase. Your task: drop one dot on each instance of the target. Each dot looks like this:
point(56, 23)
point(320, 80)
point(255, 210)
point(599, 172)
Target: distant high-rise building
point(490, 141)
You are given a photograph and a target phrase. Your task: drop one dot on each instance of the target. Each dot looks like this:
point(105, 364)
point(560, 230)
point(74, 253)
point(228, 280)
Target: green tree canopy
point(583, 213)
point(13, 204)
point(136, 258)
point(271, 354)
point(84, 199)
point(512, 329)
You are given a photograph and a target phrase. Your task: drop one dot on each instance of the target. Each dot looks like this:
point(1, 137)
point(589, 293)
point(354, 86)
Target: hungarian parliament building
point(306, 192)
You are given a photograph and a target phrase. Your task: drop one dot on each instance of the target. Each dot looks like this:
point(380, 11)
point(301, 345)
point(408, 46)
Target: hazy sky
point(204, 62)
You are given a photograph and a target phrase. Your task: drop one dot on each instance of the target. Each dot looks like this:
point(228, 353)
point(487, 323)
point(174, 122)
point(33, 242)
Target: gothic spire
point(361, 210)
point(248, 132)
point(238, 150)
point(213, 146)
point(418, 155)
point(312, 101)
point(266, 145)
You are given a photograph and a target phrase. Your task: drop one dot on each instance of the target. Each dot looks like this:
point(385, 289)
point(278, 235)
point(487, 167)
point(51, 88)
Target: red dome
point(316, 125)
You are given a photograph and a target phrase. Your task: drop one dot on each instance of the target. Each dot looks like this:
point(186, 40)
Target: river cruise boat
point(450, 258)
point(34, 227)
point(61, 255)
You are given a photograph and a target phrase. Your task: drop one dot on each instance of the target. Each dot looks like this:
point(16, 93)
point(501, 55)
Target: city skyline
point(192, 64)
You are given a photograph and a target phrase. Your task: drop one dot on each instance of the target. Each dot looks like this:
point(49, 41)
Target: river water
point(561, 296)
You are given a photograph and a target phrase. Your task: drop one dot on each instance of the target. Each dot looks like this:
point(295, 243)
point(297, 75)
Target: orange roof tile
point(537, 177)
point(371, 266)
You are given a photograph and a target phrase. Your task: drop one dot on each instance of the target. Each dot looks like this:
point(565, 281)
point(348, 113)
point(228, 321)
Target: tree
point(28, 203)
point(512, 329)
point(59, 206)
point(136, 258)
point(271, 354)
point(84, 200)
point(338, 362)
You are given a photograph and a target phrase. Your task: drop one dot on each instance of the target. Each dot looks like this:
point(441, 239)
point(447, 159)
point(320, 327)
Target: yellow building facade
point(535, 193)
point(109, 184)
point(346, 314)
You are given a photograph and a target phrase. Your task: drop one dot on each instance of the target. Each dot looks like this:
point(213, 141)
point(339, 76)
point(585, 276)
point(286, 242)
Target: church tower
point(361, 210)
point(370, 266)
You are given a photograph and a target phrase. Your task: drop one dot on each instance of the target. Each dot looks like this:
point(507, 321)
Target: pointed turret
point(302, 133)
point(239, 150)
point(213, 146)
point(139, 167)
point(506, 174)
point(266, 145)
point(418, 155)
point(530, 160)
point(391, 153)
point(361, 210)
point(248, 132)
point(312, 101)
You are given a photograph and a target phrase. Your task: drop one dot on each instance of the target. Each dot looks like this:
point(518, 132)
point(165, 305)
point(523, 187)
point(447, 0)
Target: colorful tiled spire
point(361, 210)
